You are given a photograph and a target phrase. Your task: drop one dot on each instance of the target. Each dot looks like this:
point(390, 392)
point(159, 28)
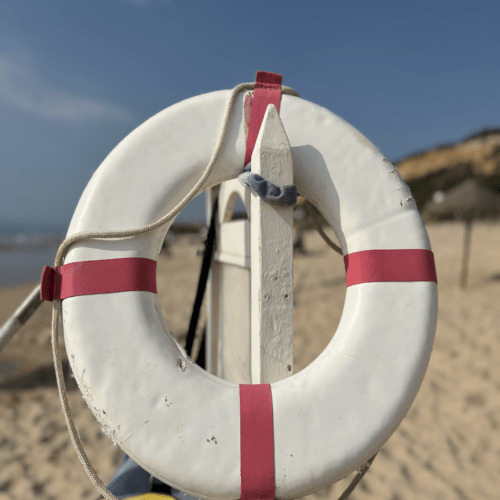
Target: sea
point(24, 251)
point(26, 248)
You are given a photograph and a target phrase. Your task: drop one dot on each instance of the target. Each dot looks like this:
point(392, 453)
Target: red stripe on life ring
point(371, 266)
point(98, 276)
point(267, 91)
point(257, 442)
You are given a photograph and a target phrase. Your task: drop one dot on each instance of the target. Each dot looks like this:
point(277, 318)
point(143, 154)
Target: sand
point(447, 448)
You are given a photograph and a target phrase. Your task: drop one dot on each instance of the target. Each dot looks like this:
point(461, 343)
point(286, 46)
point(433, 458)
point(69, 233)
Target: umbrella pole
point(465, 256)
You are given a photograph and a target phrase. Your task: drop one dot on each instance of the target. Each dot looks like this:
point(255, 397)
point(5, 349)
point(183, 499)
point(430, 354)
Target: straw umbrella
point(468, 200)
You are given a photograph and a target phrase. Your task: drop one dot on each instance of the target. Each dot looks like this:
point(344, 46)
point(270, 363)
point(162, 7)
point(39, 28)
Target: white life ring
point(330, 418)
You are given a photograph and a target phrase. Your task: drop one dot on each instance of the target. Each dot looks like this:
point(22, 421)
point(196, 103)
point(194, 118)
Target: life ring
point(162, 409)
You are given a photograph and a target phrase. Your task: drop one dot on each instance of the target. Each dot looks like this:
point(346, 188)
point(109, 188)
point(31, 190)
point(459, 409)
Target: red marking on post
point(371, 266)
point(98, 276)
point(267, 91)
point(257, 442)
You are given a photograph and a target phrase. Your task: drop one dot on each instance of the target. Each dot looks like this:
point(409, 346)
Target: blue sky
point(76, 77)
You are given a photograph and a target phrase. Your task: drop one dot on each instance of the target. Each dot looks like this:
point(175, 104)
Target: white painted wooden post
point(250, 291)
point(271, 259)
point(212, 304)
point(228, 298)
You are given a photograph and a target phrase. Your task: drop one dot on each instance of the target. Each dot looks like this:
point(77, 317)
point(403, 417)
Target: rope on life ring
point(66, 244)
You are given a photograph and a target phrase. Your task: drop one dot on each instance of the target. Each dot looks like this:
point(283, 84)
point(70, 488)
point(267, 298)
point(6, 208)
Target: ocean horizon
point(26, 247)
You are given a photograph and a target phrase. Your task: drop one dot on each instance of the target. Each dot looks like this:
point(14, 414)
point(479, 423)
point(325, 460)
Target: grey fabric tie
point(269, 192)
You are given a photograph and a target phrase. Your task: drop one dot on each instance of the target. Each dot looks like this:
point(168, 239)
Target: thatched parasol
point(468, 200)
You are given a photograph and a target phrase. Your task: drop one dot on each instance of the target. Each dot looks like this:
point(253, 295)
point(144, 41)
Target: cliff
point(445, 166)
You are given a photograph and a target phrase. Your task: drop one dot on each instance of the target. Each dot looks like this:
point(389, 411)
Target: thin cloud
point(22, 88)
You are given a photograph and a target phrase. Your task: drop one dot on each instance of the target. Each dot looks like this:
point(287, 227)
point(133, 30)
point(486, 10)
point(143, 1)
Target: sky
point(76, 77)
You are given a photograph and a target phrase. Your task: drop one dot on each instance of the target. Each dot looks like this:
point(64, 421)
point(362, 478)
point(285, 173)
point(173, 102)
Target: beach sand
point(447, 448)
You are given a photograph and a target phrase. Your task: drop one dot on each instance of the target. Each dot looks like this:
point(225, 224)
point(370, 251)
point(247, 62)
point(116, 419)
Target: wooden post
point(228, 298)
point(465, 255)
point(271, 258)
point(211, 299)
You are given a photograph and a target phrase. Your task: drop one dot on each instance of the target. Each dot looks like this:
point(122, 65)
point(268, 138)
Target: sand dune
point(447, 448)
